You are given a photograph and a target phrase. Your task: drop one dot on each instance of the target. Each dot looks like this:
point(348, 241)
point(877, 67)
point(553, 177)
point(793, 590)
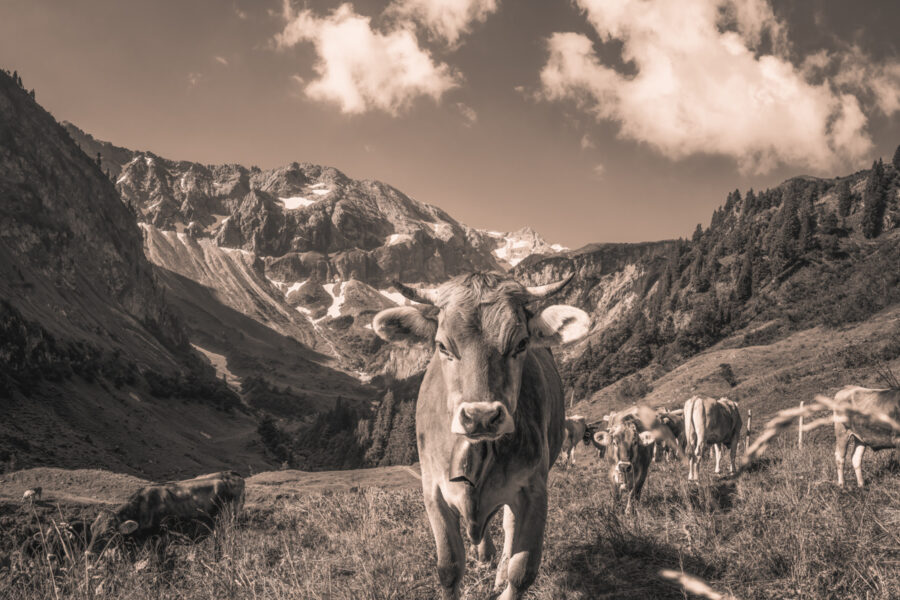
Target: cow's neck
point(469, 462)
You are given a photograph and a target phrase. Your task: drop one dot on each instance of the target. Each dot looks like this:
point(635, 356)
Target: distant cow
point(674, 420)
point(651, 420)
point(866, 432)
point(188, 506)
point(32, 495)
point(489, 418)
point(710, 421)
point(630, 448)
point(575, 427)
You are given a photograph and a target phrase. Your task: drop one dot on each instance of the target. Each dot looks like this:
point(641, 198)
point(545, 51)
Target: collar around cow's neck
point(469, 461)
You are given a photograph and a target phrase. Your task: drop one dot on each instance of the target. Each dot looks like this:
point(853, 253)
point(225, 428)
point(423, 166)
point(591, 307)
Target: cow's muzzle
point(482, 420)
point(622, 473)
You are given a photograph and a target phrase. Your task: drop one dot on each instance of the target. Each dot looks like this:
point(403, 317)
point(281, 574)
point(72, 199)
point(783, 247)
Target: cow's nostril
point(498, 416)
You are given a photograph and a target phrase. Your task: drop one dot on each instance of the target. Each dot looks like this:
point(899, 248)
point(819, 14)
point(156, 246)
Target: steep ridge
point(96, 367)
point(809, 253)
point(301, 249)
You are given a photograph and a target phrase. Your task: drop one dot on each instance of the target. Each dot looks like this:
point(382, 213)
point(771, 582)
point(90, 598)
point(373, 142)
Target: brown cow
point(178, 504)
point(575, 428)
point(651, 420)
point(865, 432)
point(629, 445)
point(489, 418)
point(710, 421)
point(674, 420)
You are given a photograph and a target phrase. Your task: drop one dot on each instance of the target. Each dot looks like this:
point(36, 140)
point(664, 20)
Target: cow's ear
point(405, 323)
point(601, 438)
point(558, 324)
point(647, 438)
point(128, 527)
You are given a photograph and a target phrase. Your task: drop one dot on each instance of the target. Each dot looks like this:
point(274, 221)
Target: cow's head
point(625, 443)
point(106, 526)
point(482, 331)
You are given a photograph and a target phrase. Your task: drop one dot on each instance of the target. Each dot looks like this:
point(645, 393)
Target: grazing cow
point(489, 418)
point(674, 420)
point(866, 432)
point(710, 421)
point(32, 495)
point(630, 448)
point(189, 506)
point(575, 428)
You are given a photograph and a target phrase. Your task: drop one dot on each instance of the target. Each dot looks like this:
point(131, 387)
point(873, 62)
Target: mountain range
point(236, 302)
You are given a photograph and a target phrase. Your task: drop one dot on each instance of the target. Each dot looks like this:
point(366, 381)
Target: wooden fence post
point(800, 429)
point(749, 423)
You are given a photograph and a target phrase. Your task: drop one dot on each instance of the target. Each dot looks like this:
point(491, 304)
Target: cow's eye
point(521, 347)
point(443, 350)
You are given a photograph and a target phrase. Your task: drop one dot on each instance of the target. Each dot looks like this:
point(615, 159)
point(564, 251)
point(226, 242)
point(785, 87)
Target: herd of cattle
point(490, 422)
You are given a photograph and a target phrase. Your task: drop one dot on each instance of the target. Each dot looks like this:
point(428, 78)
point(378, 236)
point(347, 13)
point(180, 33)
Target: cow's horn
point(542, 291)
point(424, 295)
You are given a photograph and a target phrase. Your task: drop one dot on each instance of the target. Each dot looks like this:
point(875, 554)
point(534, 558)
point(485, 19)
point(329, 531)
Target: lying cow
point(489, 417)
point(32, 495)
point(575, 427)
point(866, 432)
point(629, 445)
point(708, 421)
point(189, 506)
point(54, 542)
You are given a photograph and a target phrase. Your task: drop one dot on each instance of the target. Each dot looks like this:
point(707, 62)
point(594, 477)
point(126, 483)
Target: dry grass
point(780, 530)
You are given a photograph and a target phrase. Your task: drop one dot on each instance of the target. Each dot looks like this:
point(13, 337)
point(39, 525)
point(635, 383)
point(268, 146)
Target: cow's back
point(878, 436)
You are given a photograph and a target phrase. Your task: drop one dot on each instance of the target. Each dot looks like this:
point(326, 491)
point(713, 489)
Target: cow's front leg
point(486, 549)
point(529, 512)
point(451, 554)
point(733, 449)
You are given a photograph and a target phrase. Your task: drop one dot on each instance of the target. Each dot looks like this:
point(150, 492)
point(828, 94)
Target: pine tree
point(807, 219)
point(874, 201)
point(98, 160)
point(896, 160)
point(845, 200)
point(744, 286)
point(698, 233)
point(749, 202)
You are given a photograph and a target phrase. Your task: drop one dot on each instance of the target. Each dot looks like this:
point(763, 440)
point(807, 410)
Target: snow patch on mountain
point(514, 247)
point(337, 300)
point(398, 238)
point(295, 202)
point(441, 231)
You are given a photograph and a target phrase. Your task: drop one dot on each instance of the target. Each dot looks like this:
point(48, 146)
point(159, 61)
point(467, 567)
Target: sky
point(587, 120)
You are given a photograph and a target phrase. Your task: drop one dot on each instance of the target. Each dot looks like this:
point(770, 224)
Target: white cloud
point(468, 114)
point(221, 60)
point(587, 143)
point(444, 19)
point(598, 170)
point(360, 68)
point(713, 77)
point(240, 14)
